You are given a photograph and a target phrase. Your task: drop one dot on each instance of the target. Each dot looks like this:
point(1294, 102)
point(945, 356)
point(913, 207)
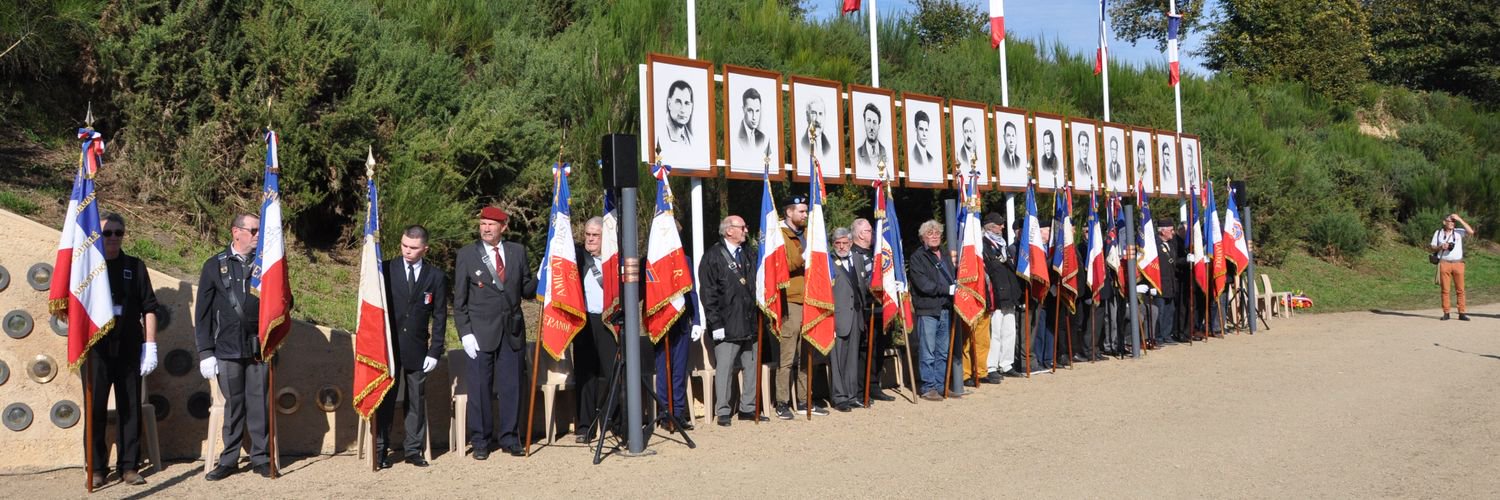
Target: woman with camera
point(1448, 251)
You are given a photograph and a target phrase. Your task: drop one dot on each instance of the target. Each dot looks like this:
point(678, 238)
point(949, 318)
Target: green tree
point(1323, 43)
point(1447, 45)
point(942, 23)
point(1135, 20)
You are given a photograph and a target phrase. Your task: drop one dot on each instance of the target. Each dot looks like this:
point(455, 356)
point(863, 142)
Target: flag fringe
point(95, 338)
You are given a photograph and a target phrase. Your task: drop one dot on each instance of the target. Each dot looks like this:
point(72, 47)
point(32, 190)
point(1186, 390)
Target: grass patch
point(18, 203)
point(1389, 276)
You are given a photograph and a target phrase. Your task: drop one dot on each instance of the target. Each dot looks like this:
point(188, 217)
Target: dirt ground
point(1365, 404)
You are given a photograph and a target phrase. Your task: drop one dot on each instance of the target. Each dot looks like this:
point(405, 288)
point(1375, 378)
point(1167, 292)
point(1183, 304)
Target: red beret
point(494, 214)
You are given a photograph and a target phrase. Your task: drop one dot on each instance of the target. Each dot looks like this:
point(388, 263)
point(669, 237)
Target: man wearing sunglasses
point(226, 316)
point(122, 357)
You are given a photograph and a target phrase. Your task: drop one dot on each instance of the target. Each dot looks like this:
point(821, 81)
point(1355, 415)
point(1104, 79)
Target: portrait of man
point(1190, 162)
point(817, 107)
point(924, 140)
point(1116, 160)
point(750, 135)
point(970, 147)
point(1115, 171)
point(681, 117)
point(753, 101)
point(679, 113)
point(1010, 136)
point(872, 154)
point(1142, 159)
point(921, 155)
point(1085, 165)
point(1010, 157)
point(1166, 145)
point(815, 110)
point(1049, 155)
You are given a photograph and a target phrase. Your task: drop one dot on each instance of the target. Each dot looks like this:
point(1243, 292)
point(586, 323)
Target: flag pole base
point(630, 454)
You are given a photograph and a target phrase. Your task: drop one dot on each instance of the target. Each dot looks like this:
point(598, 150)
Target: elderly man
point(121, 358)
point(594, 347)
point(226, 315)
point(851, 298)
point(932, 281)
point(862, 238)
point(1006, 292)
point(726, 277)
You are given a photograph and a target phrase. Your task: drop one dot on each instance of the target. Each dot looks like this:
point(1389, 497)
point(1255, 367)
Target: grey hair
point(858, 223)
point(929, 227)
point(840, 233)
point(596, 221)
point(114, 217)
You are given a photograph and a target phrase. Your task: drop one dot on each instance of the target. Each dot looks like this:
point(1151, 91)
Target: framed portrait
point(1114, 159)
point(970, 144)
point(1192, 163)
point(1048, 132)
point(752, 102)
point(1143, 158)
point(923, 128)
point(1013, 169)
point(1168, 165)
point(817, 104)
point(681, 117)
point(873, 132)
point(1083, 154)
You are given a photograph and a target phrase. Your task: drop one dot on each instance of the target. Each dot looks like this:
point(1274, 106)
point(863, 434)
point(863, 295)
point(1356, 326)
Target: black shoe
point(843, 408)
point(857, 404)
point(1463, 317)
point(994, 378)
point(131, 477)
point(750, 416)
point(98, 478)
point(481, 454)
point(264, 470)
point(581, 439)
point(1079, 358)
point(969, 382)
point(515, 450)
point(417, 460)
point(1014, 373)
point(219, 472)
point(784, 412)
point(687, 425)
point(723, 420)
point(1445, 317)
point(882, 396)
point(385, 463)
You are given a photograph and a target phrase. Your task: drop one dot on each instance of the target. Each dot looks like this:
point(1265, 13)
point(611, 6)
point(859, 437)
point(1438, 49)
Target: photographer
point(1448, 249)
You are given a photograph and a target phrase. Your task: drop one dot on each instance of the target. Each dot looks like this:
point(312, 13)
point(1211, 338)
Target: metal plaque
point(17, 417)
point(4, 278)
point(18, 324)
point(65, 414)
point(329, 398)
point(198, 404)
point(59, 325)
point(179, 362)
point(40, 276)
point(288, 401)
point(4, 372)
point(160, 404)
point(42, 369)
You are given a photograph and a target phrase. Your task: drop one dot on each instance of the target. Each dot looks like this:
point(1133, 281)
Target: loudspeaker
point(1241, 193)
point(621, 161)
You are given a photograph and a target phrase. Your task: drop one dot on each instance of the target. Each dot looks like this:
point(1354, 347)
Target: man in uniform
point(789, 339)
point(1166, 295)
point(417, 302)
point(862, 237)
point(726, 275)
point(226, 318)
point(121, 358)
point(851, 298)
point(491, 277)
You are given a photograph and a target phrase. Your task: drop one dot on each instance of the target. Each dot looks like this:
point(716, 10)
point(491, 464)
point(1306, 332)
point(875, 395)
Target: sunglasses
point(252, 231)
point(112, 233)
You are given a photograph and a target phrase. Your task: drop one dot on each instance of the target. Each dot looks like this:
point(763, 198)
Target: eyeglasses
point(252, 230)
point(113, 233)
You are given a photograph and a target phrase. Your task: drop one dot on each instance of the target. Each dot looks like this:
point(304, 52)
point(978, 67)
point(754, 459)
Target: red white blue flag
point(1174, 70)
point(1064, 253)
point(80, 290)
point(1236, 250)
point(850, 6)
point(997, 23)
point(1145, 241)
point(668, 277)
point(972, 292)
point(771, 274)
point(1197, 256)
point(1094, 262)
point(1031, 257)
point(609, 259)
point(889, 281)
point(373, 353)
point(557, 284)
point(1213, 236)
point(1102, 57)
point(817, 292)
point(268, 278)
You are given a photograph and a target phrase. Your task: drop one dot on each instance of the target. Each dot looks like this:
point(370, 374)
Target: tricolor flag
point(373, 355)
point(1195, 241)
point(1095, 241)
point(268, 278)
point(1064, 255)
point(564, 310)
point(1214, 239)
point(1116, 243)
point(609, 259)
point(1101, 58)
point(817, 292)
point(997, 23)
point(1031, 251)
point(889, 282)
point(1236, 251)
point(970, 298)
point(80, 282)
point(850, 6)
point(771, 274)
point(668, 277)
point(1174, 70)
point(1145, 242)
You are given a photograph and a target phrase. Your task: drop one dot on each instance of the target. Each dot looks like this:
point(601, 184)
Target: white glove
point(952, 289)
point(471, 346)
point(1141, 288)
point(148, 358)
point(719, 334)
point(697, 333)
point(209, 367)
point(429, 364)
point(1192, 258)
point(1153, 292)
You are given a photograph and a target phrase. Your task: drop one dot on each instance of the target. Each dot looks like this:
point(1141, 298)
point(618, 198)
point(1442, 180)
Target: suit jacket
point(851, 295)
point(930, 277)
point(727, 291)
point(1011, 159)
point(1166, 255)
point(824, 146)
point(873, 161)
point(759, 139)
point(1000, 268)
point(920, 156)
point(1049, 163)
point(418, 314)
point(487, 306)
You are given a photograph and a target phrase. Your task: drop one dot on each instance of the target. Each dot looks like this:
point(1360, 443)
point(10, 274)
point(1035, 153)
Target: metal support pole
point(1250, 269)
point(630, 255)
point(1131, 273)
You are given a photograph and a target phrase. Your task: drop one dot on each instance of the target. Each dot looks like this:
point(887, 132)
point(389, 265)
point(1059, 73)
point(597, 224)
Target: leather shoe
point(416, 460)
point(1014, 373)
point(515, 450)
point(97, 479)
point(882, 396)
point(932, 396)
point(481, 454)
point(1079, 358)
point(970, 383)
point(688, 425)
point(723, 420)
point(132, 477)
point(750, 416)
point(581, 439)
point(1463, 317)
point(263, 469)
point(219, 472)
point(1445, 317)
point(994, 378)
point(385, 463)
point(842, 408)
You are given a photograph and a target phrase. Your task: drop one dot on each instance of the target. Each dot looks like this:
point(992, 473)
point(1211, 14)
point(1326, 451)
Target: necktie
point(739, 256)
point(499, 265)
point(411, 277)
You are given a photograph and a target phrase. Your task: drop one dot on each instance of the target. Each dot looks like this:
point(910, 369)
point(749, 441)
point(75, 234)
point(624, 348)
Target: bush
point(1417, 229)
point(17, 203)
point(1338, 235)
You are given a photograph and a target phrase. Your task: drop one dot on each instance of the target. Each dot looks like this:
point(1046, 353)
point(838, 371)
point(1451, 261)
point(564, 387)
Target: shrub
point(1417, 229)
point(1338, 235)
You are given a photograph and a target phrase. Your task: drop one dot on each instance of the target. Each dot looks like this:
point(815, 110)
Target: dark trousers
point(243, 382)
point(411, 387)
point(846, 365)
point(1086, 330)
point(882, 342)
point(593, 358)
point(495, 375)
point(1166, 320)
point(681, 344)
point(124, 375)
point(1042, 340)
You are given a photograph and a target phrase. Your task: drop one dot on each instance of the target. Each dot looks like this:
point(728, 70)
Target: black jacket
point(130, 285)
point(225, 314)
point(1166, 257)
point(727, 290)
point(418, 315)
point(931, 278)
point(487, 306)
point(1000, 267)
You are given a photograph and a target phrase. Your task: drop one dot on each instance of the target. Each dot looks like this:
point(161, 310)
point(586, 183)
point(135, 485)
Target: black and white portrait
point(870, 113)
point(1014, 167)
point(1166, 154)
point(1049, 150)
point(924, 140)
point(682, 113)
point(1085, 158)
point(752, 99)
point(1143, 156)
point(1192, 164)
point(815, 107)
point(970, 149)
point(1117, 172)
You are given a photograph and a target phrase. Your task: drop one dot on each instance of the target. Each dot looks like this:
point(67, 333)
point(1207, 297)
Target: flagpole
point(271, 370)
point(760, 328)
point(874, 49)
point(869, 354)
point(88, 386)
point(1176, 102)
point(1104, 62)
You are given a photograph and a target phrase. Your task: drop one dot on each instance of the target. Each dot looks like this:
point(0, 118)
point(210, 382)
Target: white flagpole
point(1010, 198)
point(874, 47)
point(696, 185)
point(1104, 58)
point(1182, 208)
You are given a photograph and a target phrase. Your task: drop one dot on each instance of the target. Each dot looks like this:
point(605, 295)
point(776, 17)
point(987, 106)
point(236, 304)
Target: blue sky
point(1043, 19)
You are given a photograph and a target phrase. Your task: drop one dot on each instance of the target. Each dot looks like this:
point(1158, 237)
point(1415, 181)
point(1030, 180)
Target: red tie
point(499, 265)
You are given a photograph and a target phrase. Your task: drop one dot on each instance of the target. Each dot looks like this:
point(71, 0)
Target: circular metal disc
point(161, 405)
point(197, 405)
point(4, 278)
point(329, 398)
point(163, 317)
point(18, 324)
point(288, 401)
point(4, 372)
point(40, 276)
point(17, 416)
point(59, 325)
point(179, 362)
point(42, 369)
point(65, 414)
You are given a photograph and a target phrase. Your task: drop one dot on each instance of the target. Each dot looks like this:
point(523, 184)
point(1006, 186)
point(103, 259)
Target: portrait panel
point(1013, 168)
point(752, 101)
point(970, 144)
point(1115, 158)
point(1083, 154)
point(1192, 163)
point(923, 130)
point(1168, 164)
point(681, 115)
point(873, 132)
point(817, 105)
point(1143, 157)
point(1049, 140)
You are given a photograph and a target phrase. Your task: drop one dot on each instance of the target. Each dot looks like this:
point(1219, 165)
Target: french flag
point(889, 282)
point(1237, 251)
point(1148, 262)
point(997, 23)
point(609, 259)
point(970, 300)
point(1174, 70)
point(1116, 244)
point(1214, 237)
point(1064, 257)
point(1031, 252)
point(1100, 59)
point(1094, 262)
point(817, 292)
point(771, 274)
point(372, 339)
point(557, 283)
point(1195, 237)
point(668, 277)
point(268, 278)
point(850, 6)
point(80, 282)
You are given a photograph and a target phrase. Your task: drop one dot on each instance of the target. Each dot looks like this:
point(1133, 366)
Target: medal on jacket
point(478, 278)
point(427, 298)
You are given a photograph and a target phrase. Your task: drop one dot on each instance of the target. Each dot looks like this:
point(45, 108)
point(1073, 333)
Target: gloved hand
point(209, 367)
point(1141, 288)
point(1153, 292)
point(148, 358)
point(1192, 258)
point(471, 346)
point(697, 333)
point(952, 289)
point(429, 364)
point(718, 334)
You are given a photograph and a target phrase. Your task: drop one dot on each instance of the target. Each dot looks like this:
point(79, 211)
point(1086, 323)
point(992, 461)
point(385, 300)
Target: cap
point(494, 214)
point(798, 200)
point(994, 218)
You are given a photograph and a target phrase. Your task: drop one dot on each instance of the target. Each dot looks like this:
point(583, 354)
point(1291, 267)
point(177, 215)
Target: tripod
point(603, 419)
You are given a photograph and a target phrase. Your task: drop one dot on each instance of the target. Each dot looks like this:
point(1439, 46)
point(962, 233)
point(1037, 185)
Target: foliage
point(17, 203)
point(1324, 43)
point(1417, 231)
point(1135, 20)
point(1339, 235)
point(941, 23)
point(1448, 45)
